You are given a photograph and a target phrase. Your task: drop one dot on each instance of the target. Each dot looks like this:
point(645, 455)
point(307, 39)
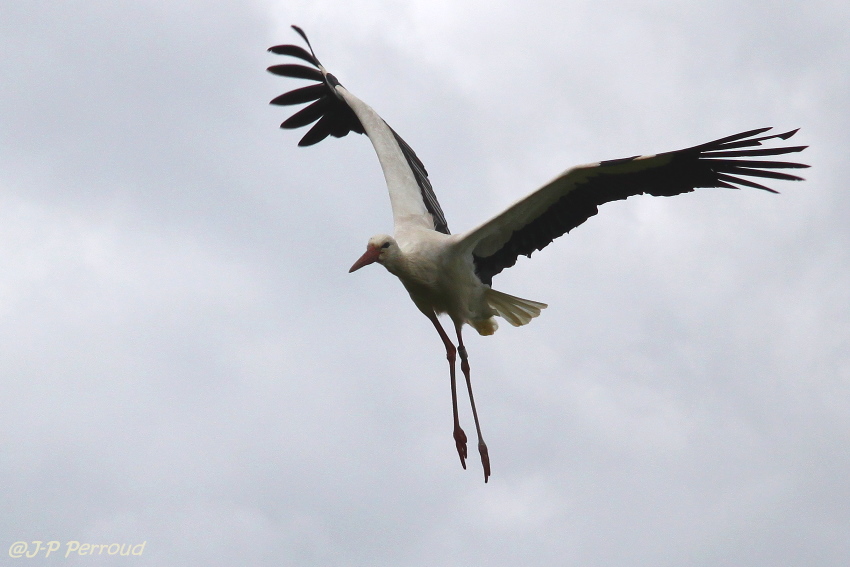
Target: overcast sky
point(186, 362)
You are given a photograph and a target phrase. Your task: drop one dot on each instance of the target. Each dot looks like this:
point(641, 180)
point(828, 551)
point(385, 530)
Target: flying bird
point(452, 274)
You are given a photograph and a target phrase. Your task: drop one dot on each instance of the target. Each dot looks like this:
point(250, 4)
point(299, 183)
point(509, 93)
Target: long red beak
point(369, 257)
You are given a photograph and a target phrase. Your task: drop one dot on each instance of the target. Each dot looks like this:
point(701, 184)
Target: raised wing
point(572, 198)
point(336, 112)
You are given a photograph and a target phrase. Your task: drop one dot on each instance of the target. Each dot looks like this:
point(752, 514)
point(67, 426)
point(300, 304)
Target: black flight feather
point(671, 173)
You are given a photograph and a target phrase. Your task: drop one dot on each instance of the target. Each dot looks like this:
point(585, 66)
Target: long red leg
point(464, 366)
point(459, 435)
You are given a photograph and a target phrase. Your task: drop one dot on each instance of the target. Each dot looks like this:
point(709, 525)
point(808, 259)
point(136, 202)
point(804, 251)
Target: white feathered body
point(441, 278)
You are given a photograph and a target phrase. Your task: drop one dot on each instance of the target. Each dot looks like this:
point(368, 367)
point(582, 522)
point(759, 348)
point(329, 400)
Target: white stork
point(452, 274)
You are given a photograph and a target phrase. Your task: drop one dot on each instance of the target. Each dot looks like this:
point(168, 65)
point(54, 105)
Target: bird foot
point(485, 459)
point(460, 443)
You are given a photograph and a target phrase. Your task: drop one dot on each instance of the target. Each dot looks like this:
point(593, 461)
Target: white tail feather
point(514, 310)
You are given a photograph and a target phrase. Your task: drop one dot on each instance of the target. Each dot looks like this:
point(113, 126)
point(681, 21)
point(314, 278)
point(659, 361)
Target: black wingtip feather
point(735, 137)
point(308, 114)
point(716, 155)
point(296, 72)
point(300, 96)
point(757, 152)
point(317, 133)
point(762, 173)
point(761, 163)
point(294, 51)
point(302, 34)
point(333, 114)
point(739, 181)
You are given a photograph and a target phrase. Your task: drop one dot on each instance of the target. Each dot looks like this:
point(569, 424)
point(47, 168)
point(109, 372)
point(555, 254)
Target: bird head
point(379, 249)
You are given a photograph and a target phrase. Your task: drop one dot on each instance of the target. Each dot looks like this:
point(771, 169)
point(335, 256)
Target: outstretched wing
point(572, 198)
point(336, 112)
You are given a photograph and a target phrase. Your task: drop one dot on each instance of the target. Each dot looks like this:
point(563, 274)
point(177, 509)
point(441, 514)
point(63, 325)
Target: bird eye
point(385, 245)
